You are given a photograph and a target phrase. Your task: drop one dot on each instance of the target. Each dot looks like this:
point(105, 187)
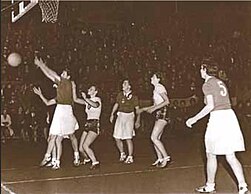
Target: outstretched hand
point(38, 62)
point(140, 110)
point(37, 91)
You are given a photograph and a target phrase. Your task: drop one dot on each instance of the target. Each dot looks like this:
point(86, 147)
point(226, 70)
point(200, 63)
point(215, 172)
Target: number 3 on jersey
point(223, 89)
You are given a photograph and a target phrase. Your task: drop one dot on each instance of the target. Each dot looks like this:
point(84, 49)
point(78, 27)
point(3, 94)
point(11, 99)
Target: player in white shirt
point(160, 107)
point(92, 126)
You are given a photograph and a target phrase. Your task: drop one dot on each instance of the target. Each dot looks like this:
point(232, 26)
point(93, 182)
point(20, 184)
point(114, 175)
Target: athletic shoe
point(158, 161)
point(76, 162)
point(205, 189)
point(129, 160)
point(95, 165)
point(244, 190)
point(49, 164)
point(45, 161)
point(85, 161)
point(56, 165)
point(164, 162)
point(122, 157)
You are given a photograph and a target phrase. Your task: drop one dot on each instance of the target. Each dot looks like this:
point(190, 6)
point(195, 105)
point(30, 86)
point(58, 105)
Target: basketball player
point(51, 139)
point(126, 104)
point(64, 122)
point(160, 107)
point(91, 129)
point(223, 135)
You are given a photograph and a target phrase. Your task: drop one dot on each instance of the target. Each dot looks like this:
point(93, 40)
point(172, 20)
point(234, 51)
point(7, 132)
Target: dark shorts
point(92, 125)
point(163, 114)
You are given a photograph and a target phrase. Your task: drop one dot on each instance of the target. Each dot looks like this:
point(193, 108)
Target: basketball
point(14, 59)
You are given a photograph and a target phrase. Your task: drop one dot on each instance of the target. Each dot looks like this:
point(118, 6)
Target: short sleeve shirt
point(157, 98)
point(218, 90)
point(128, 103)
point(93, 113)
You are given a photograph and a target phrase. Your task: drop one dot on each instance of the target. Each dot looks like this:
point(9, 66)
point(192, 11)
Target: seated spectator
point(6, 130)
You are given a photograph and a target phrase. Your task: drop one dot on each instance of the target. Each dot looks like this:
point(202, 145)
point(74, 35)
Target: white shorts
point(63, 122)
point(124, 126)
point(223, 134)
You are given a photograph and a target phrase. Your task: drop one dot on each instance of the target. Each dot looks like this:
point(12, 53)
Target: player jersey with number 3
point(218, 89)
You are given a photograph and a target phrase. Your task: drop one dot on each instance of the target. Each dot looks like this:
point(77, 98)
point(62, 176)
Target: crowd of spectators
point(106, 53)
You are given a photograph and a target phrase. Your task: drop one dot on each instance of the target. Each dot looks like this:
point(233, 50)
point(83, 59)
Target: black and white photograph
point(125, 97)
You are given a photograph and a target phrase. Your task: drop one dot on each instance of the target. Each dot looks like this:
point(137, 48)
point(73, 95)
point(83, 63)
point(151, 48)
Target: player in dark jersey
point(126, 105)
point(223, 135)
point(64, 122)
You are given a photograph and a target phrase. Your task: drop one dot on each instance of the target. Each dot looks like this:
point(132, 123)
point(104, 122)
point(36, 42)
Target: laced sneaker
point(244, 190)
point(129, 160)
point(45, 161)
point(122, 157)
point(205, 189)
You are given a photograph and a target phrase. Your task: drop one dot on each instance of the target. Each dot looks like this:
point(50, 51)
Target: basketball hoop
point(49, 9)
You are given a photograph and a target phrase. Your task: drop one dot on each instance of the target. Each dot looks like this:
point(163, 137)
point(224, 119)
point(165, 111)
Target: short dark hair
point(211, 66)
point(95, 86)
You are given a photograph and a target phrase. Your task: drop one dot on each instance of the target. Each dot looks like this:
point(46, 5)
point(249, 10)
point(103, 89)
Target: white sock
point(76, 155)
point(47, 155)
point(210, 185)
point(57, 162)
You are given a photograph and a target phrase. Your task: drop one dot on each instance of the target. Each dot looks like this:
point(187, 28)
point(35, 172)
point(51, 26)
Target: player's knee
point(81, 149)
point(51, 138)
point(154, 138)
point(72, 137)
point(211, 156)
point(86, 146)
point(59, 140)
point(230, 158)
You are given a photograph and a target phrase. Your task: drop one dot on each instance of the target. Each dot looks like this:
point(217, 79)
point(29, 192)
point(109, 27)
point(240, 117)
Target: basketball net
point(49, 9)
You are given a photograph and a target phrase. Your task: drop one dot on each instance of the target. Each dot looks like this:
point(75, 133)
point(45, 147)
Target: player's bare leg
point(59, 140)
point(74, 143)
point(238, 171)
point(155, 137)
point(120, 147)
point(81, 148)
point(90, 138)
point(51, 144)
point(129, 158)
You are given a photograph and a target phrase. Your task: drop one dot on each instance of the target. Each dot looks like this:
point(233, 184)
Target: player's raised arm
point(45, 100)
point(52, 75)
point(74, 94)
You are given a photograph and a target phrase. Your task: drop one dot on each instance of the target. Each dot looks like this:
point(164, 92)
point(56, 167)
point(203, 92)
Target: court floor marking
point(100, 175)
point(7, 189)
point(33, 167)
